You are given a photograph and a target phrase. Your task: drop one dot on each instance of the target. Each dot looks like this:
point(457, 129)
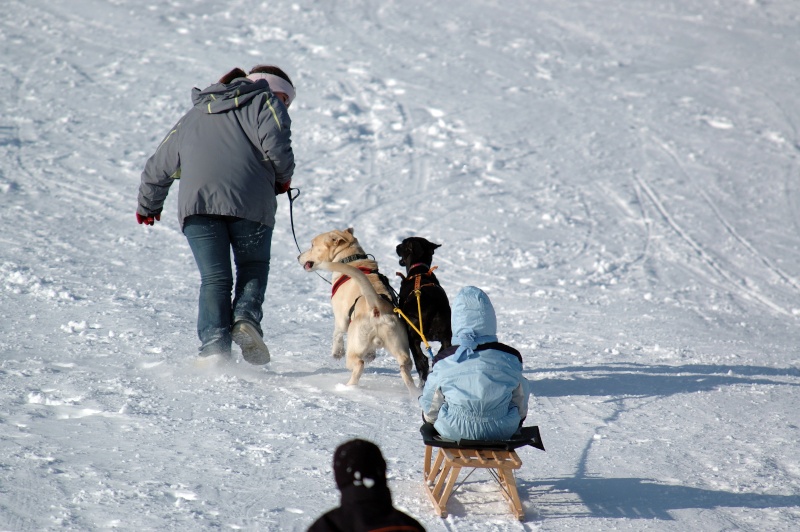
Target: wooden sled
point(498, 457)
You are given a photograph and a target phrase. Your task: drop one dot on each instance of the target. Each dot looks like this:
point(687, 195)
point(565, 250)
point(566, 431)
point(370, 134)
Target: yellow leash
point(418, 331)
point(418, 292)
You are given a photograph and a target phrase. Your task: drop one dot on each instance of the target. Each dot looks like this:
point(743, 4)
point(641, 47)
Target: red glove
point(282, 188)
point(147, 220)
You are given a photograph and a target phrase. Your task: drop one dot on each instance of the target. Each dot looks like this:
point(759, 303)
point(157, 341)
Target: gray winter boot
point(246, 336)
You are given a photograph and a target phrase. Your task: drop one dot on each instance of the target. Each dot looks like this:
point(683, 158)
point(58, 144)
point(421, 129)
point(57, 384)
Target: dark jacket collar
point(377, 495)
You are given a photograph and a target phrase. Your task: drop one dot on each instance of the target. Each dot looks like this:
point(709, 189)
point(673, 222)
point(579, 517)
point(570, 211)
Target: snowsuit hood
point(473, 321)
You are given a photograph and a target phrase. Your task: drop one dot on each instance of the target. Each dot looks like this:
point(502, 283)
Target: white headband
point(276, 83)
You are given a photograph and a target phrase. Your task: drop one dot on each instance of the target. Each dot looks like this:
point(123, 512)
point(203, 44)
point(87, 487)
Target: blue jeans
point(211, 239)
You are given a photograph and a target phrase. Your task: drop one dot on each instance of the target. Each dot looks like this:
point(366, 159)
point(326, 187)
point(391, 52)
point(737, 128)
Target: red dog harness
point(344, 278)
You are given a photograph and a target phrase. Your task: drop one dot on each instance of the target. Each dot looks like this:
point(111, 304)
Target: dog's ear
point(343, 237)
point(336, 238)
point(432, 247)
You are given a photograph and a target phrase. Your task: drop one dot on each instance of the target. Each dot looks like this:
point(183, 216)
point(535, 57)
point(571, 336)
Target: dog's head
point(414, 250)
point(325, 247)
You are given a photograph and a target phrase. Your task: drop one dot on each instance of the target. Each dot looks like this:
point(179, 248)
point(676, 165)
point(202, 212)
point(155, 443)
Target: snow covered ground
point(620, 177)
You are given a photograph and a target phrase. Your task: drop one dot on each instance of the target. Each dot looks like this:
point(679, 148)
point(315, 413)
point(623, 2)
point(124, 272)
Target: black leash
point(291, 221)
point(395, 296)
point(291, 212)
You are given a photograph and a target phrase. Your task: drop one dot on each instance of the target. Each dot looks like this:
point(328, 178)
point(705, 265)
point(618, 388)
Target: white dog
point(358, 308)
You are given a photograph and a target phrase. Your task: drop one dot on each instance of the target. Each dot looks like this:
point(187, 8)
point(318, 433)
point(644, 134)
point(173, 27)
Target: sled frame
point(442, 474)
point(499, 458)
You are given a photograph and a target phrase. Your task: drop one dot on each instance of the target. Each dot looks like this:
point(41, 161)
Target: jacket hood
point(359, 463)
point(220, 98)
point(473, 319)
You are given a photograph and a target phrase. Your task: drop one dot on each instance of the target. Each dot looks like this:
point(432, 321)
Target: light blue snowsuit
point(475, 394)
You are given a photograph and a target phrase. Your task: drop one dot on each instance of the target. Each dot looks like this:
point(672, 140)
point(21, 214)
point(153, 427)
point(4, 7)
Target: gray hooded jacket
point(229, 151)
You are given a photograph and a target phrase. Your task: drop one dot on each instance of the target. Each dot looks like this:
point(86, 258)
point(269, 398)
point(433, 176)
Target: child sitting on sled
point(476, 390)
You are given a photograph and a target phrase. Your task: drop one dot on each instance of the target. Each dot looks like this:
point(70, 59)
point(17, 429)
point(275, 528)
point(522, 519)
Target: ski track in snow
point(621, 179)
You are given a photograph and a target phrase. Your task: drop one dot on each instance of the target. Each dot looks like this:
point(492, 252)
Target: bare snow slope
point(620, 177)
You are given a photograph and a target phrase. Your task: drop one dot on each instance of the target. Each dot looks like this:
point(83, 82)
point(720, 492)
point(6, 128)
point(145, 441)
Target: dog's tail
point(367, 290)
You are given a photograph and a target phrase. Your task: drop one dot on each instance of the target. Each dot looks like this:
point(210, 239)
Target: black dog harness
point(417, 277)
point(448, 351)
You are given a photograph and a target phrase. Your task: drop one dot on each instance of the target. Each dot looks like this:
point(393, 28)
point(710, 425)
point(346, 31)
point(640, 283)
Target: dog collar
point(352, 258)
point(427, 267)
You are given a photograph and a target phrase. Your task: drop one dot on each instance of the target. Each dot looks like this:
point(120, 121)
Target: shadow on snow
point(636, 498)
point(647, 380)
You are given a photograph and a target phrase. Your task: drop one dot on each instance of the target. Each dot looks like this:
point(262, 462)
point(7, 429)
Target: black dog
point(416, 254)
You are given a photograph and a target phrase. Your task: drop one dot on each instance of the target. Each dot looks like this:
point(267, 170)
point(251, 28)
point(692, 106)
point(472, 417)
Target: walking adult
point(232, 153)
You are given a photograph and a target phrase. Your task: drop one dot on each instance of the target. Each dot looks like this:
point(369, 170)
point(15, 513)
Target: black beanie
point(360, 463)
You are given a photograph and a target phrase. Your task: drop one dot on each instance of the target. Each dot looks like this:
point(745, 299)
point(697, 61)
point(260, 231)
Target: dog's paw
point(337, 354)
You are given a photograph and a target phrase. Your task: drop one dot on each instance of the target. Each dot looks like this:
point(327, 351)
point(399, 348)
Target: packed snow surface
point(620, 177)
